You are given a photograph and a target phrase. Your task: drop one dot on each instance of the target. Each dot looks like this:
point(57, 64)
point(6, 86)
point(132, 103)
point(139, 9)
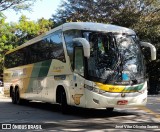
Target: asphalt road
point(49, 117)
point(154, 103)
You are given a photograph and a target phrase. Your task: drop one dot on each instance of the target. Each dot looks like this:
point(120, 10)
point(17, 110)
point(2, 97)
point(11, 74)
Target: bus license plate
point(122, 102)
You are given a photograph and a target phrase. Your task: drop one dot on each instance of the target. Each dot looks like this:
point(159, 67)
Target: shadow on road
point(76, 111)
point(53, 109)
point(79, 119)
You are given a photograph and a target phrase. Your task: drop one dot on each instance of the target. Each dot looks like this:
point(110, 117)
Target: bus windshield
point(115, 58)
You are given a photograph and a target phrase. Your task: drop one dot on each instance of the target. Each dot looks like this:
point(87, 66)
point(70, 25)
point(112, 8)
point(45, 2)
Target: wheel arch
point(58, 92)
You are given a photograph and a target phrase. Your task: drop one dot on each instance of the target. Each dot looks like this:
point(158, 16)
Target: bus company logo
point(76, 98)
point(6, 126)
point(58, 68)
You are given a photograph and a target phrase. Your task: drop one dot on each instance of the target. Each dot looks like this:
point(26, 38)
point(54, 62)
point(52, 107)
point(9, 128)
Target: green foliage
point(26, 29)
point(44, 25)
point(15, 34)
point(6, 40)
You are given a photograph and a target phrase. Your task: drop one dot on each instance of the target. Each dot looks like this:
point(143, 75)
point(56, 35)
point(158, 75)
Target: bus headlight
point(93, 89)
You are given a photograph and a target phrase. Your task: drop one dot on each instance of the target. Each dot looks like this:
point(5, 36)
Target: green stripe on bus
point(135, 88)
point(40, 70)
point(44, 68)
point(36, 69)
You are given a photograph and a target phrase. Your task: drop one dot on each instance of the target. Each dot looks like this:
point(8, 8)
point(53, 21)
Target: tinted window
point(69, 36)
point(78, 62)
point(14, 59)
point(50, 47)
point(56, 45)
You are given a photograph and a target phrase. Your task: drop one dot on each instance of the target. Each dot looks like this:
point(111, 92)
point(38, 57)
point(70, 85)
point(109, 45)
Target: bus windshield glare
point(115, 58)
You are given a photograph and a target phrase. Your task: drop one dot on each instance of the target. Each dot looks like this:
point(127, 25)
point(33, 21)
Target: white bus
point(83, 64)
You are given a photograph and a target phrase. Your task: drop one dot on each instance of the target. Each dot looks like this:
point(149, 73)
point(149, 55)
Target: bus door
point(78, 78)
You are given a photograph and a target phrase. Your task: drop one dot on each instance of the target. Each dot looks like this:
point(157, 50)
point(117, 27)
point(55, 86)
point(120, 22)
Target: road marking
point(157, 115)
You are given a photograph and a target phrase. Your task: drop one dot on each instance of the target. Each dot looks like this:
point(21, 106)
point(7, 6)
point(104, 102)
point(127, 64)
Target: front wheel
point(18, 100)
point(64, 105)
point(13, 97)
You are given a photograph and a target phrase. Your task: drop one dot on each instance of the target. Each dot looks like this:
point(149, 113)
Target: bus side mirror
point(152, 48)
point(85, 44)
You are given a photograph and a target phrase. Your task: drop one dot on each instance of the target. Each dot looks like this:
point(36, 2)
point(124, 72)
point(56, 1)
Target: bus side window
point(78, 61)
point(69, 35)
point(57, 46)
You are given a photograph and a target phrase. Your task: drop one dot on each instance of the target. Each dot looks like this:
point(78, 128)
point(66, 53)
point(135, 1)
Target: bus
point(83, 64)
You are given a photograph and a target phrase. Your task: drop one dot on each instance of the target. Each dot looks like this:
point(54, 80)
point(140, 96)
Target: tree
point(15, 34)
point(7, 39)
point(16, 4)
point(26, 29)
point(121, 12)
point(44, 25)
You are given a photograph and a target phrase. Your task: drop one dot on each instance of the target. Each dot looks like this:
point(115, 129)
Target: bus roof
point(81, 26)
point(97, 27)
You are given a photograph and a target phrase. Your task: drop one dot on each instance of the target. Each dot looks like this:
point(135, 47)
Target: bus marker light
point(122, 102)
point(123, 95)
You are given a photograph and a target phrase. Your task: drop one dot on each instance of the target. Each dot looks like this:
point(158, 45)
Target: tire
point(64, 105)
point(13, 97)
point(109, 109)
point(18, 100)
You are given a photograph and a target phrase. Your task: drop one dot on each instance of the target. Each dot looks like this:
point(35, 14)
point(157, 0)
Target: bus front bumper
point(96, 100)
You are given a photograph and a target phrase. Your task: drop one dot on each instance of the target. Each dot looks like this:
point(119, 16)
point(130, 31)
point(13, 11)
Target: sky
point(42, 8)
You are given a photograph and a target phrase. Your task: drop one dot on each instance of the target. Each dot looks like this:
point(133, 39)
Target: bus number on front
point(113, 89)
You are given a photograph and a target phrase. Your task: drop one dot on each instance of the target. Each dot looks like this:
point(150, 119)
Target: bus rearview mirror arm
point(85, 44)
point(152, 48)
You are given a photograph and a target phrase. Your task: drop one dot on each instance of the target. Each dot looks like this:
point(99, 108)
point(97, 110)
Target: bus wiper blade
point(135, 81)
